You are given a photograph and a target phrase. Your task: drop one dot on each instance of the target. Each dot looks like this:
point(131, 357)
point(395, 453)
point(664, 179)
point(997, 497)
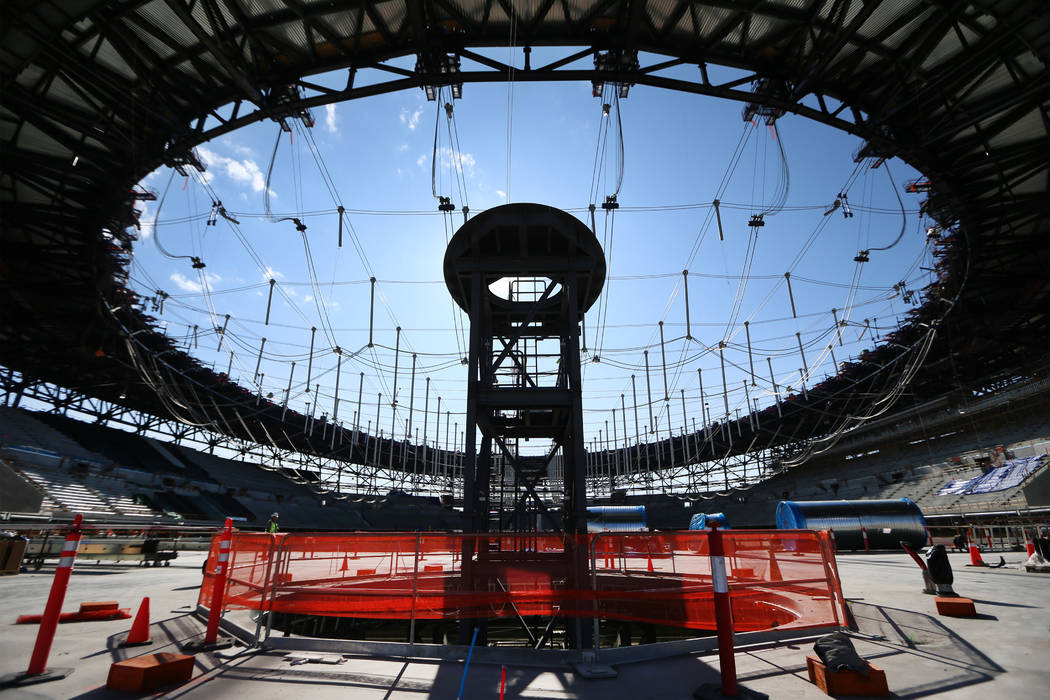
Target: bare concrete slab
point(1005, 652)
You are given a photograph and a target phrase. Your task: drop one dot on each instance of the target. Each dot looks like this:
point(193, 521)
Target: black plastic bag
point(836, 651)
point(939, 566)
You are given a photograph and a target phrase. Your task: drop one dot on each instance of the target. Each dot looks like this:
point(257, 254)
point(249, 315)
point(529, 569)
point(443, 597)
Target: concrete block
point(847, 682)
point(144, 674)
point(955, 607)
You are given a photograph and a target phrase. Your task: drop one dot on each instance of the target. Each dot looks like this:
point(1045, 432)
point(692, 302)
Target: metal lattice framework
point(94, 94)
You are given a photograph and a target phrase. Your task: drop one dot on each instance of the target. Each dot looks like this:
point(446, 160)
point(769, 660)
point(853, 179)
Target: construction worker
point(272, 525)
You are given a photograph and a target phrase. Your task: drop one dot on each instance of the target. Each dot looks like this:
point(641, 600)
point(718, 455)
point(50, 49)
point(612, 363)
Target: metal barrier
point(777, 579)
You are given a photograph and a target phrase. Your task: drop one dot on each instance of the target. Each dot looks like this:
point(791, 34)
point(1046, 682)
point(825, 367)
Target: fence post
point(219, 586)
point(594, 588)
point(415, 591)
point(265, 592)
point(723, 613)
point(211, 639)
point(46, 634)
point(276, 582)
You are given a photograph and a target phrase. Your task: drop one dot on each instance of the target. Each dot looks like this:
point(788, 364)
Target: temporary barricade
point(777, 578)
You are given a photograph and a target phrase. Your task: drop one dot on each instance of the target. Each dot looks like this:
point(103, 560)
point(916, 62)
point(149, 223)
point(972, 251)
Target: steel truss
point(335, 476)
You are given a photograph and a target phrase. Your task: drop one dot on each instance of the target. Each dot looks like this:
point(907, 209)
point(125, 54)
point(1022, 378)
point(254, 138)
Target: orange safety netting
point(777, 579)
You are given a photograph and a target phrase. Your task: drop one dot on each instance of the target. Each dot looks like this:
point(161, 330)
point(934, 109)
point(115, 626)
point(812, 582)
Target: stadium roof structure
point(95, 94)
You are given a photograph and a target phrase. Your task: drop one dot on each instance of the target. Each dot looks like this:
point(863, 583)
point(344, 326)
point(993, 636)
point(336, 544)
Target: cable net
point(777, 578)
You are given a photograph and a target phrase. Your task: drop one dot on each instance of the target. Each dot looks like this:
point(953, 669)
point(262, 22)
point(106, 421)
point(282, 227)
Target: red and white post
point(723, 613)
point(46, 635)
point(864, 533)
point(219, 585)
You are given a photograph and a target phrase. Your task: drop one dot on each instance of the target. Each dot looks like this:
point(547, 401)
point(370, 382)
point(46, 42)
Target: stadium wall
point(16, 494)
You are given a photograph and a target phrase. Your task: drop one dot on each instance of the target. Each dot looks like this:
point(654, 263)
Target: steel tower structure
point(524, 355)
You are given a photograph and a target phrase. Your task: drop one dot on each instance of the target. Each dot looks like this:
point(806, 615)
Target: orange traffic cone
point(975, 556)
point(139, 634)
point(1029, 545)
point(649, 556)
point(346, 564)
point(774, 568)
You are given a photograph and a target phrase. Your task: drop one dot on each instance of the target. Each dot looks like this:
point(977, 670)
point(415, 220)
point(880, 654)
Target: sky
point(531, 142)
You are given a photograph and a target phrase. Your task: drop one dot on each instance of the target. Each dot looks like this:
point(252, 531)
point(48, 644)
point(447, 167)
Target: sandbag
point(939, 566)
point(836, 651)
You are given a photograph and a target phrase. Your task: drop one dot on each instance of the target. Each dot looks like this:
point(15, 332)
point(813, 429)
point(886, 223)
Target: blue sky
point(379, 153)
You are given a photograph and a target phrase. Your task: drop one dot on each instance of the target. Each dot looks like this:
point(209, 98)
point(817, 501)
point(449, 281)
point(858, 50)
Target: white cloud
point(463, 162)
point(237, 148)
point(502, 194)
point(402, 148)
point(330, 117)
point(146, 221)
point(242, 171)
point(187, 285)
point(411, 119)
point(269, 273)
point(421, 160)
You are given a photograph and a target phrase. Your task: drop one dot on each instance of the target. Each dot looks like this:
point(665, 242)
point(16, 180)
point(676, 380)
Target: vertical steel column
point(258, 361)
point(269, 302)
point(288, 391)
point(776, 389)
point(222, 333)
point(802, 352)
point(470, 456)
point(703, 403)
point(576, 484)
point(685, 429)
point(637, 434)
point(371, 310)
point(623, 417)
point(725, 389)
point(649, 393)
point(787, 276)
point(426, 418)
point(357, 417)
point(411, 398)
point(750, 360)
point(338, 372)
point(663, 361)
point(688, 325)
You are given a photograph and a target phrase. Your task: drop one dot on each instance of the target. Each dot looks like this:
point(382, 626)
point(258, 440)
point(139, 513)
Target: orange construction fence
point(777, 578)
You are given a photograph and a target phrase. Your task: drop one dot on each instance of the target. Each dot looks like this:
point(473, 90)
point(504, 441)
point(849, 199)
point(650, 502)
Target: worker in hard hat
point(272, 525)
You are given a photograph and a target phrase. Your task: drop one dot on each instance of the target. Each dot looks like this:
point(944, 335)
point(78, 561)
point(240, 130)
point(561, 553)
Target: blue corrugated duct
point(615, 518)
point(888, 522)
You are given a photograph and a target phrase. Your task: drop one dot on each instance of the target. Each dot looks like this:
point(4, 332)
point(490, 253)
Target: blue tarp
point(955, 486)
point(1011, 474)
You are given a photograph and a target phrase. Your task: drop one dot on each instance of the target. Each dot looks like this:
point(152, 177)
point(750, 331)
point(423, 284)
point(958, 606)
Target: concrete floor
point(1004, 653)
